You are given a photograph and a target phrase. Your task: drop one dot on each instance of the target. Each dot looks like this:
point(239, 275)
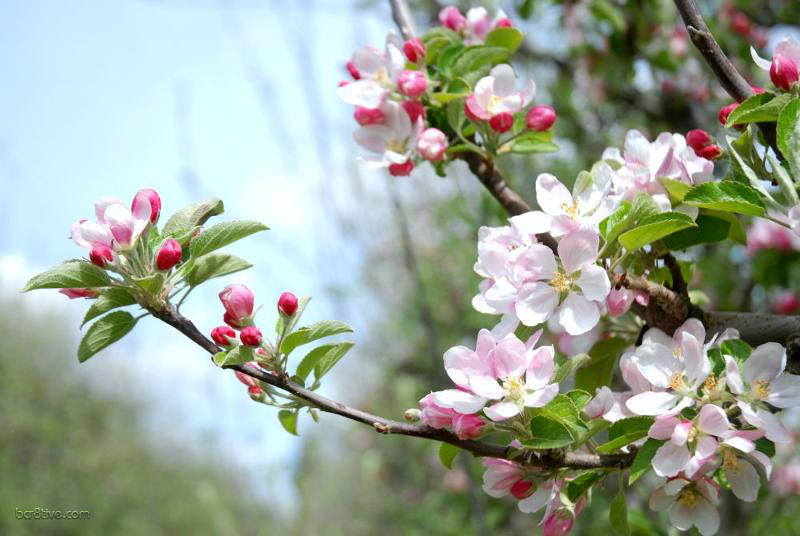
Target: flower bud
point(468, 426)
point(368, 116)
point(169, 255)
point(353, 71)
point(73, 293)
point(401, 170)
point(786, 303)
point(287, 304)
point(100, 254)
point(451, 17)
point(783, 72)
point(414, 109)
point(740, 24)
point(522, 489)
point(238, 302)
point(697, 139)
point(412, 83)
point(412, 415)
point(147, 195)
point(222, 335)
point(250, 336)
point(726, 111)
point(710, 152)
point(432, 144)
point(501, 122)
point(503, 22)
point(540, 118)
point(414, 50)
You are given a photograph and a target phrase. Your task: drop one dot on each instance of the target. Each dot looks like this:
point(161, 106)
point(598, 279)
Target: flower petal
point(552, 195)
point(652, 402)
point(461, 401)
point(536, 303)
point(578, 250)
point(784, 392)
point(594, 283)
point(577, 314)
point(540, 368)
point(670, 459)
point(744, 480)
point(502, 411)
point(765, 363)
point(732, 376)
point(713, 420)
point(541, 397)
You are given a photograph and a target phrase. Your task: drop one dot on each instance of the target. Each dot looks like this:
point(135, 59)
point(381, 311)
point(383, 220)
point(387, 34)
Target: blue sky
point(231, 99)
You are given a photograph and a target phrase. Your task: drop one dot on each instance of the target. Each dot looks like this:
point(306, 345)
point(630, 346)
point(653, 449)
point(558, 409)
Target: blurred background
point(236, 99)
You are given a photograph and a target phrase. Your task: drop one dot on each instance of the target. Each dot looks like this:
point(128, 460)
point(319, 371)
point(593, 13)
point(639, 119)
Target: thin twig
point(403, 18)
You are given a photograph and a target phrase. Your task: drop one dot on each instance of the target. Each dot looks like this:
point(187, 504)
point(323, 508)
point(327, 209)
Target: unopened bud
point(368, 116)
point(169, 255)
point(697, 139)
point(522, 489)
point(540, 118)
point(412, 414)
point(100, 254)
point(710, 152)
point(353, 71)
point(223, 335)
point(147, 195)
point(451, 17)
point(432, 144)
point(503, 22)
point(287, 304)
point(401, 170)
point(783, 72)
point(250, 336)
point(740, 24)
point(412, 83)
point(414, 50)
point(73, 293)
point(414, 109)
point(726, 111)
point(501, 122)
point(238, 302)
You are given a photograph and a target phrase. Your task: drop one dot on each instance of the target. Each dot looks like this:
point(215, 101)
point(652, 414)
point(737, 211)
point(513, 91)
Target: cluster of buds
point(475, 25)
point(703, 144)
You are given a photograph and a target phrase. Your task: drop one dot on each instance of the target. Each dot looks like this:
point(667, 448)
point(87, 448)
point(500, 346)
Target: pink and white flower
point(393, 141)
point(783, 69)
point(465, 426)
point(690, 502)
point(740, 473)
point(377, 74)
point(766, 234)
point(479, 24)
point(432, 144)
point(117, 227)
point(512, 374)
point(608, 405)
point(497, 93)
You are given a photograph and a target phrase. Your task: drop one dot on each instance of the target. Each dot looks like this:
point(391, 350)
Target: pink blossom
point(451, 17)
point(497, 93)
point(783, 69)
point(391, 142)
point(501, 476)
point(432, 144)
point(169, 254)
point(540, 118)
point(725, 111)
point(414, 50)
point(787, 478)
point(501, 122)
point(690, 502)
point(287, 304)
point(786, 302)
point(608, 405)
point(765, 234)
point(250, 336)
point(147, 196)
point(375, 73)
point(238, 302)
point(585, 207)
point(465, 426)
point(100, 255)
point(619, 300)
point(412, 83)
point(223, 335)
point(368, 116)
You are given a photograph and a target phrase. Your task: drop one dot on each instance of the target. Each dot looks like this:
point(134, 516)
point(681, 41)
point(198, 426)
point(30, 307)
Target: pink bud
point(557, 523)
point(401, 170)
point(522, 489)
point(501, 122)
point(238, 302)
point(504, 22)
point(467, 426)
point(249, 381)
point(619, 301)
point(368, 116)
point(740, 24)
point(414, 109)
point(412, 83)
point(169, 255)
point(451, 17)
point(222, 335)
point(540, 118)
point(786, 303)
point(726, 111)
point(353, 71)
point(432, 144)
point(414, 50)
point(710, 152)
point(783, 72)
point(100, 254)
point(250, 336)
point(287, 303)
point(73, 293)
point(147, 195)
point(697, 139)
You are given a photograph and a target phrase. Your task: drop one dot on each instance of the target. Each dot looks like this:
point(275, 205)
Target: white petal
point(706, 517)
point(670, 459)
point(594, 283)
point(784, 392)
point(761, 62)
point(660, 501)
point(535, 502)
point(372, 138)
point(508, 324)
point(663, 427)
point(501, 295)
point(531, 223)
point(706, 447)
point(695, 359)
point(540, 368)
point(656, 363)
point(577, 314)
point(486, 386)
point(505, 81)
point(541, 397)
point(501, 411)
point(681, 433)
point(578, 249)
point(652, 403)
point(744, 480)
point(460, 401)
point(536, 303)
point(765, 363)
point(681, 516)
point(366, 93)
point(551, 195)
point(713, 420)
point(773, 427)
point(674, 486)
point(733, 378)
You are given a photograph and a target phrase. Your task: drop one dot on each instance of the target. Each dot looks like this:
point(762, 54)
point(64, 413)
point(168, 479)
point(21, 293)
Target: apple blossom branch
point(529, 457)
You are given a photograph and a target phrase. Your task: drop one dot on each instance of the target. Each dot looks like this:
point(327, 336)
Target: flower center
point(676, 353)
point(692, 434)
point(676, 381)
point(397, 146)
point(688, 497)
point(571, 210)
point(762, 389)
point(382, 77)
point(515, 387)
point(710, 384)
point(561, 282)
point(494, 102)
point(730, 462)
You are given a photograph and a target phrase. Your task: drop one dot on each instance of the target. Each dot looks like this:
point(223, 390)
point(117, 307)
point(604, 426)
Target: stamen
point(676, 381)
point(561, 282)
point(762, 389)
point(688, 497)
point(571, 210)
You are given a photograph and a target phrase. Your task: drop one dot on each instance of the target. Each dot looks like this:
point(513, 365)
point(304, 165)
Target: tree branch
point(403, 18)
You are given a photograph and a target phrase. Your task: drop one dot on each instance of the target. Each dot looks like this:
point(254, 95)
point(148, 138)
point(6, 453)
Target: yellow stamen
point(688, 497)
point(571, 210)
point(762, 389)
point(676, 352)
point(676, 381)
point(398, 146)
point(494, 102)
point(730, 462)
point(515, 387)
point(561, 282)
point(692, 434)
point(710, 384)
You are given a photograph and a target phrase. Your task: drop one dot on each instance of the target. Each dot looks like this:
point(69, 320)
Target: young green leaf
point(533, 142)
point(321, 359)
point(508, 38)
point(238, 355)
point(618, 512)
point(288, 420)
point(727, 196)
point(581, 483)
point(758, 108)
point(476, 57)
point(599, 370)
point(641, 463)
point(222, 234)
point(109, 299)
point(312, 333)
point(447, 454)
point(624, 432)
point(548, 434)
point(788, 133)
point(675, 188)
point(105, 332)
point(70, 274)
point(186, 219)
point(579, 397)
point(213, 265)
point(654, 228)
point(563, 410)
point(709, 229)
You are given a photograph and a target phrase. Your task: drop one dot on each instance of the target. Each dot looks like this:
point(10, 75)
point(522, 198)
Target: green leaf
point(708, 230)
point(624, 432)
point(727, 196)
point(477, 57)
point(438, 32)
point(190, 217)
point(766, 446)
point(563, 409)
point(456, 115)
point(788, 134)
point(600, 369)
point(581, 484)
point(288, 420)
point(108, 300)
point(213, 265)
point(70, 274)
point(675, 188)
point(222, 234)
point(508, 38)
point(448, 55)
point(579, 397)
point(547, 434)
point(571, 364)
point(151, 284)
point(654, 228)
point(607, 11)
point(737, 349)
point(641, 463)
point(533, 142)
point(758, 108)
point(447, 454)
point(238, 355)
point(618, 512)
point(321, 359)
point(105, 332)
point(313, 332)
